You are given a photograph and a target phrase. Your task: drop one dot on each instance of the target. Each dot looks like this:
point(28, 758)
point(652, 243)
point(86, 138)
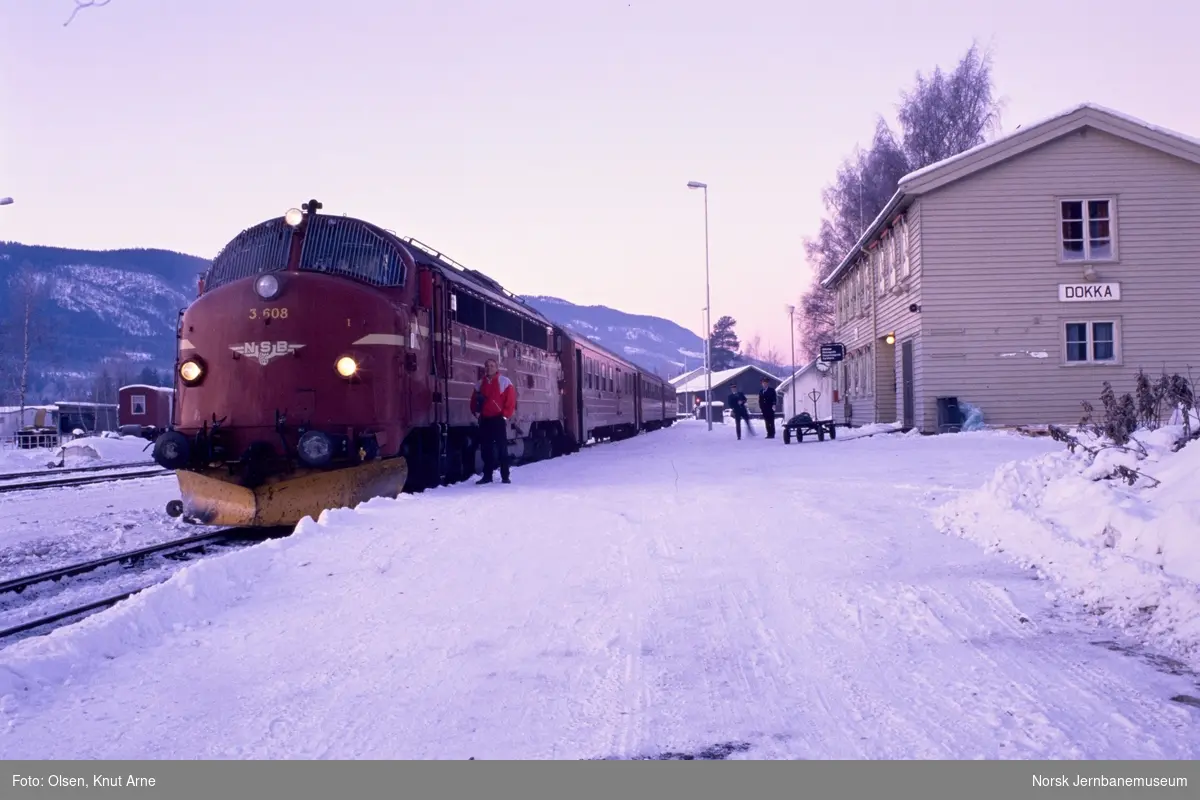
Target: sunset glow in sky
point(545, 143)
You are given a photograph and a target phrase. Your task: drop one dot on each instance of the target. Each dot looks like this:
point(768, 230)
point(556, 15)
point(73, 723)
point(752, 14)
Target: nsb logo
point(264, 352)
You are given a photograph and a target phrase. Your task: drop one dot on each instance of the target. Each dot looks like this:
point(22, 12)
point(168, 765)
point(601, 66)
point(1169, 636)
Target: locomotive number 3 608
point(269, 313)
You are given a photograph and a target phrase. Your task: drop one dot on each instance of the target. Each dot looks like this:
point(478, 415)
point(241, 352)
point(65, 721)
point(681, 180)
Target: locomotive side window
point(502, 322)
point(535, 335)
point(471, 311)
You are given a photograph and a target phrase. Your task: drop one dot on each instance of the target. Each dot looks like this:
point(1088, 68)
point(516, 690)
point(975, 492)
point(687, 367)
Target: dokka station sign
point(1088, 292)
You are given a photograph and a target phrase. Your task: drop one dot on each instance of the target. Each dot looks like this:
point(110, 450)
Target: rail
point(83, 480)
point(190, 544)
point(38, 473)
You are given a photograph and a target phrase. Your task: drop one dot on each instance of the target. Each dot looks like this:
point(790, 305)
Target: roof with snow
point(680, 378)
point(698, 383)
point(147, 386)
point(787, 382)
point(1021, 140)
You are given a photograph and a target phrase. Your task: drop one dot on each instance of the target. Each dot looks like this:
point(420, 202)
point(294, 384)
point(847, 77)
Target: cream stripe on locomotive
point(383, 338)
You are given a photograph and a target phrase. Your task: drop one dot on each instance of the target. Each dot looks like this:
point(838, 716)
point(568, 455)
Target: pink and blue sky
point(547, 143)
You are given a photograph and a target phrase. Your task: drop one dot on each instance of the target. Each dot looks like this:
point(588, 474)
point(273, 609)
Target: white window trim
point(133, 401)
point(884, 248)
point(891, 256)
point(1114, 319)
point(1087, 258)
point(864, 285)
point(907, 262)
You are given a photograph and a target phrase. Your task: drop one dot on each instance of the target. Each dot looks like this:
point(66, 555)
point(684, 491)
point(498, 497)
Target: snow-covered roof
point(148, 387)
point(678, 379)
point(698, 383)
point(788, 381)
point(1010, 145)
point(1073, 118)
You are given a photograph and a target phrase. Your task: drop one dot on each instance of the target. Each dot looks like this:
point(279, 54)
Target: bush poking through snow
point(1144, 408)
point(1127, 550)
point(1122, 542)
point(1122, 471)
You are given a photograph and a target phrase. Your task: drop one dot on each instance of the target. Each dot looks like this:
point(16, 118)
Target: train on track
point(327, 361)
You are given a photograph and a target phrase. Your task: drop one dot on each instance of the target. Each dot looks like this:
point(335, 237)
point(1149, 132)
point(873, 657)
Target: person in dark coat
point(737, 402)
point(766, 401)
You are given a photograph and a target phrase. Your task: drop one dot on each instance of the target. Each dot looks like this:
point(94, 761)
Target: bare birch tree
point(942, 115)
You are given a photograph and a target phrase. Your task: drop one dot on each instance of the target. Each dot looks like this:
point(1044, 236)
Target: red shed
point(146, 408)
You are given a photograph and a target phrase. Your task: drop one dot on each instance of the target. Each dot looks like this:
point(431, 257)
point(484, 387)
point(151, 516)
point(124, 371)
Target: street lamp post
point(707, 309)
point(792, 324)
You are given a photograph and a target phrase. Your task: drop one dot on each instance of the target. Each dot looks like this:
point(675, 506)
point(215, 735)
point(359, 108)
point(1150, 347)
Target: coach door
point(638, 413)
point(580, 432)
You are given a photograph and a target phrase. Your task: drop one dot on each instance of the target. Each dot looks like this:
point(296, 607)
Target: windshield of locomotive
point(333, 245)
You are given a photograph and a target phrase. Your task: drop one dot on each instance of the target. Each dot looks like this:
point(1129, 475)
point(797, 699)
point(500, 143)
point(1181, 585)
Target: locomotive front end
point(290, 393)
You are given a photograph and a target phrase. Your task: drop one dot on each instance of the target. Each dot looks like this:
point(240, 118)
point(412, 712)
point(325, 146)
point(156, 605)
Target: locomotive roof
point(230, 250)
point(472, 279)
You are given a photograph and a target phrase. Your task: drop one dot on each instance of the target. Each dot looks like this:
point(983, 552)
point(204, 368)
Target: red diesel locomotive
point(327, 361)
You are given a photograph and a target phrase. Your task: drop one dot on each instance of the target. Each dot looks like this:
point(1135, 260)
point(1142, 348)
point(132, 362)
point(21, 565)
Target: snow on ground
point(90, 451)
point(86, 451)
point(675, 592)
point(49, 528)
point(1132, 553)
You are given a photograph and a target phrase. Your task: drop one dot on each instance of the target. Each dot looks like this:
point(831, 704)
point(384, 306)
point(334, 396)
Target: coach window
point(137, 405)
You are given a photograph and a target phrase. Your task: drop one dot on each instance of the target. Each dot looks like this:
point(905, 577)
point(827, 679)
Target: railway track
point(175, 548)
point(83, 480)
point(43, 473)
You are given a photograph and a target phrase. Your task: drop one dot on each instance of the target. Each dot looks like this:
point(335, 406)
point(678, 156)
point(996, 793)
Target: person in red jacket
point(493, 402)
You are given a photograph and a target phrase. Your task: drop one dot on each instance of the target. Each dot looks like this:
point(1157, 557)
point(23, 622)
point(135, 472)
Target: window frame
point(133, 405)
point(1091, 321)
point(1087, 257)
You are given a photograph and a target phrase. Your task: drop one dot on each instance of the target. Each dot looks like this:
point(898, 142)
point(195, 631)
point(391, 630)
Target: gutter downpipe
point(874, 339)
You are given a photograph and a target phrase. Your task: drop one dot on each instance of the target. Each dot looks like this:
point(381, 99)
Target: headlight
point(346, 366)
point(191, 371)
point(267, 287)
point(315, 448)
point(293, 217)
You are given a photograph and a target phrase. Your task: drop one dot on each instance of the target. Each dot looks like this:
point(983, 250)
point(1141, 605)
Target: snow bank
point(1130, 553)
point(26, 460)
point(187, 600)
point(89, 451)
point(873, 429)
point(86, 451)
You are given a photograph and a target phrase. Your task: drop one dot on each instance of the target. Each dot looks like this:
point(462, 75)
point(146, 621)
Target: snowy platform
point(682, 592)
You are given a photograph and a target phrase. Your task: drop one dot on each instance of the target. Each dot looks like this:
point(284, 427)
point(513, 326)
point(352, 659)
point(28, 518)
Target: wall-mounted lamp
point(890, 338)
point(1089, 273)
point(914, 308)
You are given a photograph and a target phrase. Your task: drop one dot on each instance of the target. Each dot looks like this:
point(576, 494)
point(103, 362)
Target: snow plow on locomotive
point(327, 361)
